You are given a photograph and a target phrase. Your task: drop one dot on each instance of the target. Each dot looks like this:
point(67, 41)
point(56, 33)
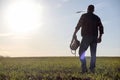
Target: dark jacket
point(90, 24)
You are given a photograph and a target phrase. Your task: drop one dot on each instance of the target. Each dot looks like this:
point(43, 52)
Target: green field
point(57, 68)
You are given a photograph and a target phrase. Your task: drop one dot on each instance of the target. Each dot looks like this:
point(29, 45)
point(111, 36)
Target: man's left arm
point(101, 31)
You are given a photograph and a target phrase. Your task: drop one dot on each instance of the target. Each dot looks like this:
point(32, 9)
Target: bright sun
point(23, 16)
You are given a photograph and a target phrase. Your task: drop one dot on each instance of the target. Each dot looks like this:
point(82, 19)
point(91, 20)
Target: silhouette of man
point(90, 24)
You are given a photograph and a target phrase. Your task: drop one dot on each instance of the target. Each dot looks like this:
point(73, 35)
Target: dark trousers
point(85, 43)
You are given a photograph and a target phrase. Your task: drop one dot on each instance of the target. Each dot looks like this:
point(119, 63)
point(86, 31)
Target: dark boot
point(92, 70)
point(84, 70)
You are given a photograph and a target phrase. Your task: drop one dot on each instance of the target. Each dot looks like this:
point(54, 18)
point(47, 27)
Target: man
point(90, 24)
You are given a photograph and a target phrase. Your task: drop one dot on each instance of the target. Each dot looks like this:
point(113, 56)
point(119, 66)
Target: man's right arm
point(76, 30)
point(78, 26)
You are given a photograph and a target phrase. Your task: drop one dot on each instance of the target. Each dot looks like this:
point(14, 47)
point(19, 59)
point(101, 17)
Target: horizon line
point(47, 56)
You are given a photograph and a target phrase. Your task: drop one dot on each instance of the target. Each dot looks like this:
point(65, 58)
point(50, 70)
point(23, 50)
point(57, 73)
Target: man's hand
point(98, 40)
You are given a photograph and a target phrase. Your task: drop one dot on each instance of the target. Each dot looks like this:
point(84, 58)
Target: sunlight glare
point(23, 17)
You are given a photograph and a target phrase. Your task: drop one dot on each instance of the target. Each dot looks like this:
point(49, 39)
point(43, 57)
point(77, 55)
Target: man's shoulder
point(96, 16)
point(84, 14)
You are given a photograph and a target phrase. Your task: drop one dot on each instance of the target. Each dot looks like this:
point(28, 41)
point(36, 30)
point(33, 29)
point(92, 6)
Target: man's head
point(90, 8)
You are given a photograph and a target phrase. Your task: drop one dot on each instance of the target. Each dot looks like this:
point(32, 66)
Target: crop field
point(57, 68)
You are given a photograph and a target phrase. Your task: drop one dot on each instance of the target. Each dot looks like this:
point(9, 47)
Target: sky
point(36, 28)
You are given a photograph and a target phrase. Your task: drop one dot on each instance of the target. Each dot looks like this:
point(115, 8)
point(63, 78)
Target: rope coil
point(75, 43)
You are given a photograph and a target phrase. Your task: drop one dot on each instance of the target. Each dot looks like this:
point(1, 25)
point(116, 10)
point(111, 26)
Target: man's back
point(89, 23)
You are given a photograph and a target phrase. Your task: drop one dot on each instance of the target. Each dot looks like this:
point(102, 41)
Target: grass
point(57, 68)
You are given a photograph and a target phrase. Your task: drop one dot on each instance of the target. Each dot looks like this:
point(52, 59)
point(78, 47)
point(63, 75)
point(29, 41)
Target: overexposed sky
point(45, 27)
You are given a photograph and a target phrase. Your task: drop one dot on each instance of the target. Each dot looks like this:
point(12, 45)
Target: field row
point(57, 68)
